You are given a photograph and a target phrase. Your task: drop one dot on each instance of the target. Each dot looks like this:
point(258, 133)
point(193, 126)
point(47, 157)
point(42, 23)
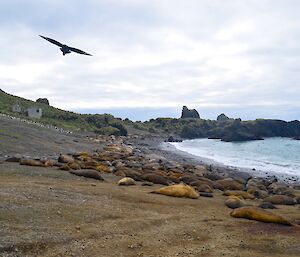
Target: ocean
point(273, 155)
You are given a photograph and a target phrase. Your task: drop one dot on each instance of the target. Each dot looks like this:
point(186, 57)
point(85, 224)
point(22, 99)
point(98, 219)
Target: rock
point(239, 137)
point(222, 117)
point(255, 213)
point(87, 174)
point(43, 101)
point(280, 199)
point(171, 139)
point(189, 113)
point(178, 190)
point(126, 182)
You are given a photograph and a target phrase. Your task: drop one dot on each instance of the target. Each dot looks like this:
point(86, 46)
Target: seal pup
point(126, 182)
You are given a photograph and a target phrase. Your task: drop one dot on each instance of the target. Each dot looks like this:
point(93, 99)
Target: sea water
point(274, 155)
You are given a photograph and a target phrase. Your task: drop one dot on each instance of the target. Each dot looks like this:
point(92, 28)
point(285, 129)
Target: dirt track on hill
point(47, 212)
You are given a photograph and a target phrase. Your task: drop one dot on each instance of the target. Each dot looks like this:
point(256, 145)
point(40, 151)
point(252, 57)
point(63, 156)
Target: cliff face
point(189, 113)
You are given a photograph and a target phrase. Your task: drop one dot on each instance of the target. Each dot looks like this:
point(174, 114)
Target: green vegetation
point(103, 124)
point(106, 124)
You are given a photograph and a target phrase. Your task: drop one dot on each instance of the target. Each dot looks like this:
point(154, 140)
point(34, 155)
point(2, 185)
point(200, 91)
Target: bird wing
point(78, 51)
point(52, 41)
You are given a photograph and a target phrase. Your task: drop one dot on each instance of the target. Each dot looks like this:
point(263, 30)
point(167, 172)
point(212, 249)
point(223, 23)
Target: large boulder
point(189, 113)
point(43, 101)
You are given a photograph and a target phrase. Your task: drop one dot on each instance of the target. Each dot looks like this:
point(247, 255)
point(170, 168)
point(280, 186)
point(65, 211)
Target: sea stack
point(189, 113)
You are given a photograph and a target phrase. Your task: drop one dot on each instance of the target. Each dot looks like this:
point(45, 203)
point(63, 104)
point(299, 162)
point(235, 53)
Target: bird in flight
point(64, 48)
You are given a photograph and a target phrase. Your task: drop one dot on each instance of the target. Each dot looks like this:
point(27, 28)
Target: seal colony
point(120, 192)
point(180, 180)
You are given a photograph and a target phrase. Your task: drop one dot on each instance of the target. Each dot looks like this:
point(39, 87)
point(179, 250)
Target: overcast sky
point(240, 57)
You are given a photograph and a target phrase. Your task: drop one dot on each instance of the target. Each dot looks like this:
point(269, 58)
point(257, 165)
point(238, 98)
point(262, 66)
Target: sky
point(151, 57)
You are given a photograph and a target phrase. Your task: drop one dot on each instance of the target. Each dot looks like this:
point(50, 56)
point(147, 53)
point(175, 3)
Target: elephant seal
point(87, 174)
point(255, 213)
point(280, 199)
point(239, 193)
point(156, 179)
point(267, 205)
point(231, 184)
point(179, 190)
point(126, 182)
point(234, 202)
point(29, 162)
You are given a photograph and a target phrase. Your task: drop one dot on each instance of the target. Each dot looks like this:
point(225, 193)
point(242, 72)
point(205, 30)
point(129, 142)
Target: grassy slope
point(103, 124)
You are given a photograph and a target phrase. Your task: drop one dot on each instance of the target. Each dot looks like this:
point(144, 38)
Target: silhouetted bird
point(64, 48)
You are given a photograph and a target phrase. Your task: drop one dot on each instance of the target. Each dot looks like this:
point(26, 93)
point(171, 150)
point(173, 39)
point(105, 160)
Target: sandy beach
point(50, 212)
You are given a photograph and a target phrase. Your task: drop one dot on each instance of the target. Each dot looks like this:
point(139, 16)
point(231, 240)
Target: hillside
point(230, 130)
point(101, 124)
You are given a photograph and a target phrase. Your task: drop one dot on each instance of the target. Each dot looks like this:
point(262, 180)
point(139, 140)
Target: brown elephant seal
point(65, 158)
point(267, 205)
point(280, 199)
point(30, 162)
point(204, 188)
point(179, 190)
point(156, 179)
point(234, 202)
point(239, 193)
point(87, 174)
point(126, 182)
point(231, 184)
point(255, 213)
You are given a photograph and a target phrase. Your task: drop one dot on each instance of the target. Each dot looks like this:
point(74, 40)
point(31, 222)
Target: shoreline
point(168, 149)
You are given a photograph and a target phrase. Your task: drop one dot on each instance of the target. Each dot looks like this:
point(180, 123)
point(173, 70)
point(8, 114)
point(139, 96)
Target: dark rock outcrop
point(43, 101)
point(222, 117)
point(172, 139)
point(189, 113)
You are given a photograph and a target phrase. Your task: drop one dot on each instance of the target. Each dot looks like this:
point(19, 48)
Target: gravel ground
point(49, 212)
